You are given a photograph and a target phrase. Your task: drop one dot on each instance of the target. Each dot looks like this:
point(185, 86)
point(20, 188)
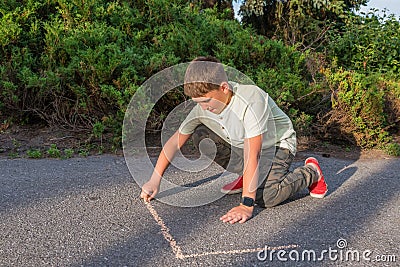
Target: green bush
point(393, 149)
point(74, 64)
point(34, 153)
point(367, 44)
point(359, 107)
point(77, 65)
point(68, 153)
point(364, 79)
point(53, 151)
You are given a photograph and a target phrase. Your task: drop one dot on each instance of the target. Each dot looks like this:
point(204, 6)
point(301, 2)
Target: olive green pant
point(276, 182)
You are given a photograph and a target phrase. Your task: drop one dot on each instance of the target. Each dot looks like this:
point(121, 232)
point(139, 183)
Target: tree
point(220, 4)
point(296, 21)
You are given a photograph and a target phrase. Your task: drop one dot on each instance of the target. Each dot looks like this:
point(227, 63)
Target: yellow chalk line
point(165, 232)
point(178, 251)
point(238, 251)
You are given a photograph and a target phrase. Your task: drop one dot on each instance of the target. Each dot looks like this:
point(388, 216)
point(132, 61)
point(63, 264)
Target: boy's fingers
point(146, 199)
point(244, 219)
point(144, 195)
point(147, 196)
point(152, 195)
point(234, 218)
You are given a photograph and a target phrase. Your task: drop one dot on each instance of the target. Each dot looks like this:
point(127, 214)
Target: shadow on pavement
point(357, 192)
point(26, 181)
point(187, 186)
point(354, 199)
point(347, 210)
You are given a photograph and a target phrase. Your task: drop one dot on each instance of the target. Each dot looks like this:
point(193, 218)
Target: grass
point(393, 149)
point(54, 152)
point(34, 153)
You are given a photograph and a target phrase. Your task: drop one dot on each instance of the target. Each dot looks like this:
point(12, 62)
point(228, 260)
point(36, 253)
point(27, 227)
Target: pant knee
point(267, 197)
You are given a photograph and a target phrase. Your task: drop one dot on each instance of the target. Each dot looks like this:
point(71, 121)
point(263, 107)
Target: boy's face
point(215, 101)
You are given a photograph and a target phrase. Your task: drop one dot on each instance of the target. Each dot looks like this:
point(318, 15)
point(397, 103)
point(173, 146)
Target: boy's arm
point(151, 188)
point(252, 149)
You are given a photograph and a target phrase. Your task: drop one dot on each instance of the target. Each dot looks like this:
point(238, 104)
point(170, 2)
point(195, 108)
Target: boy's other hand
point(239, 214)
point(149, 190)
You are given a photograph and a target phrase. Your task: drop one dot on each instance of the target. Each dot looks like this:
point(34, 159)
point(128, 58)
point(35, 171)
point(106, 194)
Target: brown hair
point(203, 75)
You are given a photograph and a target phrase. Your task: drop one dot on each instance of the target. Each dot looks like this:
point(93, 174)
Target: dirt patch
point(16, 141)
point(344, 151)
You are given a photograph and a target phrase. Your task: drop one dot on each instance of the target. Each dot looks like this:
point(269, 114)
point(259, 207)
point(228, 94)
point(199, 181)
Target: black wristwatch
point(247, 201)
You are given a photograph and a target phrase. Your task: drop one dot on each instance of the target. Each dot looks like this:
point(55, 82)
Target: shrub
point(393, 149)
point(358, 108)
point(34, 153)
point(367, 44)
point(77, 65)
point(53, 151)
point(364, 81)
point(68, 152)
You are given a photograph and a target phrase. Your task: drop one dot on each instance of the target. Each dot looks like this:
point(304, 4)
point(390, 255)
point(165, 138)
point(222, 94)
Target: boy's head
point(203, 75)
point(206, 83)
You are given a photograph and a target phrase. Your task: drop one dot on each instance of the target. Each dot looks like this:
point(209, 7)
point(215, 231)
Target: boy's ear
point(225, 87)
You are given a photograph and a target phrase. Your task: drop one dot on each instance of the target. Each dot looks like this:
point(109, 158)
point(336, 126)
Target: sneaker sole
point(318, 195)
point(231, 192)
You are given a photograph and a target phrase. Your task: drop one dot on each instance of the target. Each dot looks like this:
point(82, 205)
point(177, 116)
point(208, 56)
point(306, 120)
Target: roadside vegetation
point(76, 64)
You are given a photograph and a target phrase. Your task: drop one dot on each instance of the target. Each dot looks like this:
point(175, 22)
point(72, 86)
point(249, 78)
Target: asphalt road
point(86, 212)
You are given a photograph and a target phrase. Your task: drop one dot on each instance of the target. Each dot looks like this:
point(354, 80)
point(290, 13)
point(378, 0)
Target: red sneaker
point(319, 188)
point(233, 187)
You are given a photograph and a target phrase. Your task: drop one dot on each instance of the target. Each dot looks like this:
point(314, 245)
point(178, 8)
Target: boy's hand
point(149, 190)
point(239, 214)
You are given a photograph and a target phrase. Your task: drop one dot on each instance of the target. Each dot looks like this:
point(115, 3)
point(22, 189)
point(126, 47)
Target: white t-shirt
point(250, 112)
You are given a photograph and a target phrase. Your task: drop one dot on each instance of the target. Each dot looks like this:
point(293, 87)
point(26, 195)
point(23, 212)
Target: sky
point(392, 5)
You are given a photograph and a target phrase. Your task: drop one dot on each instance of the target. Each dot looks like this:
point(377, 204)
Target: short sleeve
point(255, 119)
point(191, 122)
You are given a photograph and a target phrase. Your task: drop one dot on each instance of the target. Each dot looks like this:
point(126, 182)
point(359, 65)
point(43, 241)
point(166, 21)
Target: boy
point(253, 138)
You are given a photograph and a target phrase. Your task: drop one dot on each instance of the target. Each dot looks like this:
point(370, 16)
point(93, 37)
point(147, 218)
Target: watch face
point(247, 201)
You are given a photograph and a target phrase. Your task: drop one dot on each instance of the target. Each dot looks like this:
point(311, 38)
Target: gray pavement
point(86, 212)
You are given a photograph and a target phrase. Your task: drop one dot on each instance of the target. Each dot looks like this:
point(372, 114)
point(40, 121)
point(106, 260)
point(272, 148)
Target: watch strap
point(247, 201)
